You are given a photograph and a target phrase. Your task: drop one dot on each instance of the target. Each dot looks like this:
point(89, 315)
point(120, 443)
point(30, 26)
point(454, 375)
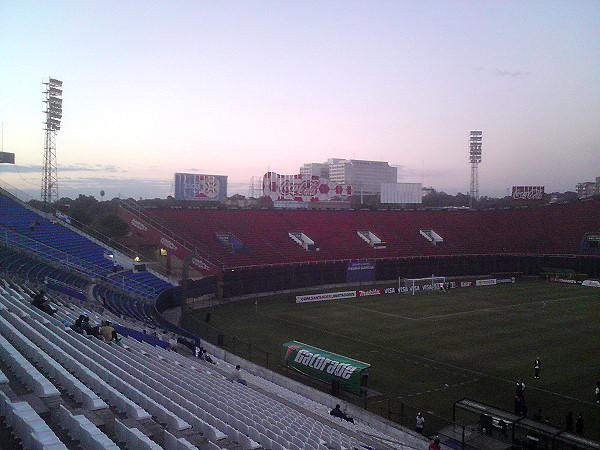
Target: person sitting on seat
point(43, 304)
point(108, 332)
point(235, 375)
point(82, 324)
point(337, 412)
point(202, 354)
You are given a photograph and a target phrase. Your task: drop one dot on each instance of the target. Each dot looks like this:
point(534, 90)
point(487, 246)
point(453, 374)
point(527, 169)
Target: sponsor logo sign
point(347, 294)
point(505, 280)
point(488, 282)
point(564, 280)
point(528, 193)
point(369, 292)
point(199, 264)
point(301, 188)
point(360, 271)
point(167, 243)
point(139, 225)
point(324, 296)
point(361, 266)
point(592, 283)
point(323, 365)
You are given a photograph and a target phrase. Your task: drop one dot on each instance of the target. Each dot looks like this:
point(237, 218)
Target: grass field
point(431, 349)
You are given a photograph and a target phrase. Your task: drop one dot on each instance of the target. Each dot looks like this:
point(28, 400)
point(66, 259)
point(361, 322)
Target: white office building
point(365, 177)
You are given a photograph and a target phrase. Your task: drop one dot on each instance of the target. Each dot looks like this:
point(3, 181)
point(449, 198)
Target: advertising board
point(528, 193)
point(360, 271)
point(325, 366)
point(401, 193)
point(200, 187)
point(7, 158)
point(302, 188)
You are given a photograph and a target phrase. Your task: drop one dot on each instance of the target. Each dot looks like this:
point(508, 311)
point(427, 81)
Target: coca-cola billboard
point(302, 188)
point(528, 193)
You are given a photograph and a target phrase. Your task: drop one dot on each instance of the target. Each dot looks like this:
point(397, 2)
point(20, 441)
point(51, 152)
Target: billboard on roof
point(401, 193)
point(302, 188)
point(7, 158)
point(528, 193)
point(201, 187)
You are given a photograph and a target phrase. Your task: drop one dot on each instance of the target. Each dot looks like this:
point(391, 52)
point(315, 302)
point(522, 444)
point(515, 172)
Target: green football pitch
point(430, 349)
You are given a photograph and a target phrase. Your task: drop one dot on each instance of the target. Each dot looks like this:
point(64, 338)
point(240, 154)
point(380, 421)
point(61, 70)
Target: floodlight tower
point(53, 100)
point(475, 159)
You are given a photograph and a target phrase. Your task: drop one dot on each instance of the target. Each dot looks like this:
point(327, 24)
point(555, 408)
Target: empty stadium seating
point(108, 396)
point(554, 229)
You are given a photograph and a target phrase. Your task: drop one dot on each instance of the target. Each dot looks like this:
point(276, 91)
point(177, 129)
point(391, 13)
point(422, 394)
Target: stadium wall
point(256, 280)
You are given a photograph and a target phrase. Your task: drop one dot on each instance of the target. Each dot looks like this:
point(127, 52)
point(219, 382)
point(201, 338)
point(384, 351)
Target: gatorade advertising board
point(325, 366)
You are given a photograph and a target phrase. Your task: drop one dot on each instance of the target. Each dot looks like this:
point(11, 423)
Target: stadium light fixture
point(475, 142)
point(53, 100)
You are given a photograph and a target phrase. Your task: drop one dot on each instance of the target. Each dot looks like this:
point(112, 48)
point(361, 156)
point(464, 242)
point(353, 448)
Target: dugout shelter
point(517, 432)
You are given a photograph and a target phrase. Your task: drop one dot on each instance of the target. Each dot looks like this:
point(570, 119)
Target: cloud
point(36, 168)
point(20, 169)
point(506, 73)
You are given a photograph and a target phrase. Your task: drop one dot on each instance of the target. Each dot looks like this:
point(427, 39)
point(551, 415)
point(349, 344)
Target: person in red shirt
point(435, 445)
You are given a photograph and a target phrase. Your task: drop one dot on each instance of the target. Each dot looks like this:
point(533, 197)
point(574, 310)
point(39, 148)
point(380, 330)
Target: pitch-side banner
point(324, 365)
point(302, 188)
point(528, 193)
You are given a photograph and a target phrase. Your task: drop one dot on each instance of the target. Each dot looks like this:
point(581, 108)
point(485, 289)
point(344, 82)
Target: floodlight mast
point(475, 159)
point(53, 104)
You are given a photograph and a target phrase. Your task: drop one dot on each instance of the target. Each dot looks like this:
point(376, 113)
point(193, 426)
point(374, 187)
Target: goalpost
point(421, 284)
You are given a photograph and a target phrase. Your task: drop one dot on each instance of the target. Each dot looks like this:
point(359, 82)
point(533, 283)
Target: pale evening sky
point(239, 88)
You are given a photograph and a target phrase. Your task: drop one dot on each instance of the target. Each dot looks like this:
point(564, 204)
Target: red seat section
point(553, 229)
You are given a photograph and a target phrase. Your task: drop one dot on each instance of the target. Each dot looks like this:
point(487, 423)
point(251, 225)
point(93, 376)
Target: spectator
point(419, 423)
point(82, 324)
point(42, 303)
point(108, 332)
point(579, 424)
point(205, 356)
point(237, 376)
point(93, 330)
point(337, 412)
point(435, 445)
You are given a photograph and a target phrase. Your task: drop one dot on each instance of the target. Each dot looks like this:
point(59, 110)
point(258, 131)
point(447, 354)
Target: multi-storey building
point(588, 189)
point(365, 177)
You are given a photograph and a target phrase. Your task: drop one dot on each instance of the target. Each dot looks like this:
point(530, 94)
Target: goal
point(431, 283)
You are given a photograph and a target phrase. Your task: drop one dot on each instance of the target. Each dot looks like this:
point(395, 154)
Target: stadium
point(439, 311)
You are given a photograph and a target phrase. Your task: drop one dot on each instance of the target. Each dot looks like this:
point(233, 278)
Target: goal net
point(431, 283)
